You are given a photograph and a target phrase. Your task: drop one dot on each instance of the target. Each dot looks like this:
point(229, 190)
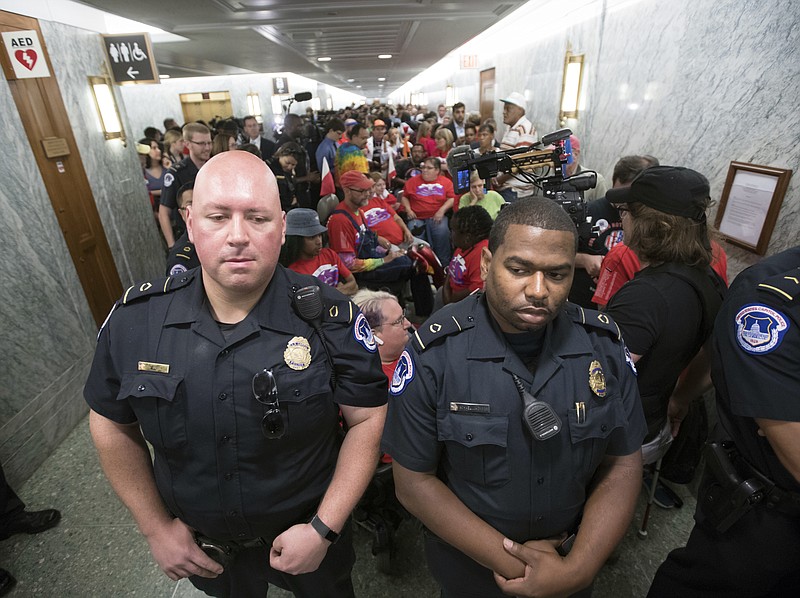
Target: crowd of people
point(519, 417)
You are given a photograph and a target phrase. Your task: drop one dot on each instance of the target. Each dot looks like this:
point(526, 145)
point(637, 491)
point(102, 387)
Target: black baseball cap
point(669, 189)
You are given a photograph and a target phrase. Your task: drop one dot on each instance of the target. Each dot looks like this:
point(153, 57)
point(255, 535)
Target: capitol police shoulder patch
point(760, 329)
point(403, 374)
point(363, 333)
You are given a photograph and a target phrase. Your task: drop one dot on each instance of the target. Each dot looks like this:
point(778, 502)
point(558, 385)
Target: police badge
point(597, 380)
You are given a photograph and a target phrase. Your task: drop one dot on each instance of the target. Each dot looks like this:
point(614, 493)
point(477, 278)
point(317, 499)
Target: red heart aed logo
point(26, 58)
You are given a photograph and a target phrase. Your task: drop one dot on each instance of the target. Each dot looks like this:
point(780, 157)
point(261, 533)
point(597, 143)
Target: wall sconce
point(450, 95)
point(254, 106)
point(277, 106)
point(107, 108)
point(571, 86)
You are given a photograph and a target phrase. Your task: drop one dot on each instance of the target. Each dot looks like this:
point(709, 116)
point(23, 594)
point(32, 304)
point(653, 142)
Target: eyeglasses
point(426, 167)
point(202, 143)
point(265, 391)
point(360, 190)
point(622, 210)
point(399, 321)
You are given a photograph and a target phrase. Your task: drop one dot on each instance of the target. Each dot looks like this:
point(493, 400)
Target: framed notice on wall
point(750, 203)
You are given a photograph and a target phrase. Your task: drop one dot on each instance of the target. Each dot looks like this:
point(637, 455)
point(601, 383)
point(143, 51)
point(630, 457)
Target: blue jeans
point(438, 235)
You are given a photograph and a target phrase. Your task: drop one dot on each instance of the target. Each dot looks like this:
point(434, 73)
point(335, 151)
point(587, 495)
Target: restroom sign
point(25, 54)
point(131, 58)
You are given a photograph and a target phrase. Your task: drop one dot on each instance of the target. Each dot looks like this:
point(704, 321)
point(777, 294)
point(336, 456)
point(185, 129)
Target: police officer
point(239, 397)
point(199, 139)
point(482, 478)
point(182, 257)
point(747, 532)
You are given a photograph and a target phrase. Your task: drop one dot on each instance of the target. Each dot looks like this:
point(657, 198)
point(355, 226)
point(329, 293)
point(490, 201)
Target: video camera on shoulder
point(543, 165)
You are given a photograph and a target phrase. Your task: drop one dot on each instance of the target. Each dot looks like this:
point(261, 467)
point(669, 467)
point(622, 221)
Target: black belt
point(775, 497)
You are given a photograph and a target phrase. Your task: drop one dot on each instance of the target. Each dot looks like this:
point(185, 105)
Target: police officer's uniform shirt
point(485, 454)
point(190, 389)
point(182, 257)
point(177, 176)
point(755, 361)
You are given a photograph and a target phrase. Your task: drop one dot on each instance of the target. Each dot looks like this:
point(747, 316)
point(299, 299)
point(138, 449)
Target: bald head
point(237, 226)
point(236, 172)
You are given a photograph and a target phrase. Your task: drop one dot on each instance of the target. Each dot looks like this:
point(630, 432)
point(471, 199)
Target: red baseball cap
point(355, 180)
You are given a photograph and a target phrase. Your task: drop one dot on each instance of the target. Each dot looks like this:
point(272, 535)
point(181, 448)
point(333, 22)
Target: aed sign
point(25, 54)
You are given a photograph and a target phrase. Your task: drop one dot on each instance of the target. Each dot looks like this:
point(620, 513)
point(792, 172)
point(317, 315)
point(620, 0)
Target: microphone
point(457, 158)
point(303, 96)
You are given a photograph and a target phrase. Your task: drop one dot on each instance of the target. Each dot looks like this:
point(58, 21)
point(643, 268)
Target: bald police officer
point(235, 392)
point(747, 531)
point(498, 491)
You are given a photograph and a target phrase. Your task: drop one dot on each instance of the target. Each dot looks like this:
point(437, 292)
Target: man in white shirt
point(520, 133)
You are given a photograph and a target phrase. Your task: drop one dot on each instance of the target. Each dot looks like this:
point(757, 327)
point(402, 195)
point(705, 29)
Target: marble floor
point(96, 550)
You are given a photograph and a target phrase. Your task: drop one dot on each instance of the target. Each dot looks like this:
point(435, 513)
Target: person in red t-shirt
point(379, 214)
point(303, 252)
point(470, 234)
point(426, 198)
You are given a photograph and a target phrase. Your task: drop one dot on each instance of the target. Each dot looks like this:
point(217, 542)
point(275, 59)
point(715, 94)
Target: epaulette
point(156, 287)
point(446, 324)
point(595, 319)
point(339, 311)
point(785, 285)
point(185, 252)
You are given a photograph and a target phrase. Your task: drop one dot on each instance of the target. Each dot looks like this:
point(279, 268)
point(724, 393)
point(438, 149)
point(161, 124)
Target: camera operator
point(520, 133)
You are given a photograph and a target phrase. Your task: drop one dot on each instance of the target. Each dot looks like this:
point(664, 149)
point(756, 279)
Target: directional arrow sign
point(130, 57)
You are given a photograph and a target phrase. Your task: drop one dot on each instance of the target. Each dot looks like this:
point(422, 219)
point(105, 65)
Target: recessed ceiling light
point(381, 78)
point(384, 56)
point(350, 80)
point(163, 76)
point(358, 87)
point(324, 59)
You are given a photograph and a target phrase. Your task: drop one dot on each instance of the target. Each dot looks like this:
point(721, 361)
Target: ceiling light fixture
point(324, 59)
point(163, 76)
point(381, 78)
point(384, 56)
point(350, 80)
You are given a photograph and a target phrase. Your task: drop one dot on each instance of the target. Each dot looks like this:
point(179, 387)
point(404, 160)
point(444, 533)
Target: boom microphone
point(303, 96)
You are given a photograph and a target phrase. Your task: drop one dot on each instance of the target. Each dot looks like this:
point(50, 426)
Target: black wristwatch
point(323, 530)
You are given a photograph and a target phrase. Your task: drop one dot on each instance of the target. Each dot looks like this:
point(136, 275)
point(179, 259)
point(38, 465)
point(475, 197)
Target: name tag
point(470, 408)
point(148, 366)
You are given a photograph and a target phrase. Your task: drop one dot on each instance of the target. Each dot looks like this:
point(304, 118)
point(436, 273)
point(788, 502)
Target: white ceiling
point(253, 36)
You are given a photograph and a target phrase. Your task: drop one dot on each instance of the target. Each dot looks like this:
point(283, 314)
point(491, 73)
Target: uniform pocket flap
point(474, 430)
point(149, 384)
point(599, 421)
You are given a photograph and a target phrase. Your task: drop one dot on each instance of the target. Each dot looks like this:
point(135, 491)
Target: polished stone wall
point(697, 83)
point(48, 333)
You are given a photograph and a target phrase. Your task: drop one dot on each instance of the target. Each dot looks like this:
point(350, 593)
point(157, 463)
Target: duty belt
point(775, 497)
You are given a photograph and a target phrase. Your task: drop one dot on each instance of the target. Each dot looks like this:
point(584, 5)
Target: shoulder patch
point(156, 287)
point(785, 285)
point(168, 179)
point(177, 269)
point(363, 333)
point(403, 374)
point(760, 329)
point(629, 361)
point(435, 329)
point(591, 318)
point(340, 311)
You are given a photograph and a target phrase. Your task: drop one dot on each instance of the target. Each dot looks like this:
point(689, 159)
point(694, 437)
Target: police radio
point(307, 302)
point(540, 418)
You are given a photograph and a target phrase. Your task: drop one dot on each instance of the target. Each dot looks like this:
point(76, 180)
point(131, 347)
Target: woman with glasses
point(389, 325)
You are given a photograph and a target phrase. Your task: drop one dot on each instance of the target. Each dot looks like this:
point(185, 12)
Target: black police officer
point(481, 479)
point(183, 257)
point(235, 392)
point(747, 531)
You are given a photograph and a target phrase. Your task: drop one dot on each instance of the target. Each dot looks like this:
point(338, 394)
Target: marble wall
point(48, 333)
point(697, 83)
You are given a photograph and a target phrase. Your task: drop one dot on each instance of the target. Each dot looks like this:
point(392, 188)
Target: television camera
point(543, 165)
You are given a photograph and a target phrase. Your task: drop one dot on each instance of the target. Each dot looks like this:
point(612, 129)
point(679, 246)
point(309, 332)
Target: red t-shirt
point(327, 266)
point(379, 215)
point(620, 264)
point(426, 198)
point(465, 268)
point(342, 236)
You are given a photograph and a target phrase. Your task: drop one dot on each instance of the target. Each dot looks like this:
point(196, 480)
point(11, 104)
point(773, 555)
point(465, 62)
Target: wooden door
point(41, 109)
point(487, 94)
point(206, 106)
